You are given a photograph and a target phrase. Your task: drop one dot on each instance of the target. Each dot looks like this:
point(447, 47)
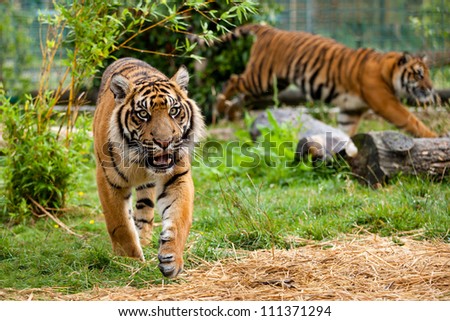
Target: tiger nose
point(162, 143)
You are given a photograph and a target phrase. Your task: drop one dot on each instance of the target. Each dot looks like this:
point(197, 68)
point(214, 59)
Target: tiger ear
point(181, 77)
point(119, 86)
point(424, 58)
point(404, 58)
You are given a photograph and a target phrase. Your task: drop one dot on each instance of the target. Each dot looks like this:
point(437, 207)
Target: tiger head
point(158, 122)
point(412, 78)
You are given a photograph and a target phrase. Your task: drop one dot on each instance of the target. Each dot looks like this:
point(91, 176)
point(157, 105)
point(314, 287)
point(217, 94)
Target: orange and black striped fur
point(145, 127)
point(326, 70)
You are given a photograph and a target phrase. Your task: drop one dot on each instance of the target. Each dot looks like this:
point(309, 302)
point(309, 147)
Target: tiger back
point(323, 69)
point(145, 127)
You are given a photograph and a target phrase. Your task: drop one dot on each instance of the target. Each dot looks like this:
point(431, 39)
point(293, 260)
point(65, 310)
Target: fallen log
point(317, 139)
point(382, 155)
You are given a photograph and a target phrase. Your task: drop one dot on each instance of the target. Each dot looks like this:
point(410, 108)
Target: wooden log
point(315, 138)
point(382, 155)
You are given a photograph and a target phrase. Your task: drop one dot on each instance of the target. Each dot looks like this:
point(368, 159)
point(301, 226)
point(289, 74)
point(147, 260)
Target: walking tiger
point(323, 69)
point(144, 129)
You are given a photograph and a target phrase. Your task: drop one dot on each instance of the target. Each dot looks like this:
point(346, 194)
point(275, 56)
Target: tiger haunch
point(326, 70)
point(145, 128)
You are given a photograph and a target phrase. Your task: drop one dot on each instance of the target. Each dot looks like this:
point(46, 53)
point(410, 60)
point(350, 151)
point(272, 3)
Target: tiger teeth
point(162, 160)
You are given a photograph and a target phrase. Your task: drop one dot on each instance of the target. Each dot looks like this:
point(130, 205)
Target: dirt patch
point(354, 268)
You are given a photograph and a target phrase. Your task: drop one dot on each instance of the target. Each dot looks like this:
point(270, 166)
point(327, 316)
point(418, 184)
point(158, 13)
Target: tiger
point(145, 127)
point(323, 69)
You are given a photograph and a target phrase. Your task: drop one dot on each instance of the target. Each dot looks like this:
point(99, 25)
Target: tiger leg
point(175, 203)
point(117, 209)
point(348, 120)
point(404, 119)
point(144, 213)
point(236, 84)
point(393, 111)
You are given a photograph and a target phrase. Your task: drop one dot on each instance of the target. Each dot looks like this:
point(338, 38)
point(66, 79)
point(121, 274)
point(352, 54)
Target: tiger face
point(413, 78)
point(157, 118)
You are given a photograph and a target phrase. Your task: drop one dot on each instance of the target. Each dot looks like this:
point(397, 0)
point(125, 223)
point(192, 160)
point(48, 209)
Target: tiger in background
point(144, 129)
point(323, 69)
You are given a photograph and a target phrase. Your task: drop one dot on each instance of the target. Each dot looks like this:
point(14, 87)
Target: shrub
point(40, 163)
point(39, 166)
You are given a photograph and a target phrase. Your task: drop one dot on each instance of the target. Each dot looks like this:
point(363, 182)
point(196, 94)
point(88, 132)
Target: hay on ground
point(356, 268)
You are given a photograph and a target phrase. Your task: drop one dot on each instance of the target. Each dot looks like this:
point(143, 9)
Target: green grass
point(238, 214)
point(235, 209)
point(323, 209)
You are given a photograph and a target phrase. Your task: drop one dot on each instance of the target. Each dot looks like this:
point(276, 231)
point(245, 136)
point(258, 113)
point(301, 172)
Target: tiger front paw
point(129, 250)
point(170, 259)
point(170, 264)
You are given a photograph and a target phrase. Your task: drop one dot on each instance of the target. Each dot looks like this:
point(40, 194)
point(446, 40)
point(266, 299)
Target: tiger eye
point(419, 74)
point(143, 114)
point(174, 111)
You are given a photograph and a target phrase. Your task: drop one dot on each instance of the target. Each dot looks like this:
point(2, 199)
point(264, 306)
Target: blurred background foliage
point(416, 26)
point(220, 61)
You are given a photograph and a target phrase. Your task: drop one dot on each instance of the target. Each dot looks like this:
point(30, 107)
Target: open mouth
point(161, 161)
point(425, 97)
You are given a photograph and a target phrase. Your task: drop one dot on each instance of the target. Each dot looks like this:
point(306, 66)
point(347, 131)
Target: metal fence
point(402, 25)
point(411, 25)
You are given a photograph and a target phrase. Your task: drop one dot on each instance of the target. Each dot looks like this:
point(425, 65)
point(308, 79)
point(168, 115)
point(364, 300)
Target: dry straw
point(353, 268)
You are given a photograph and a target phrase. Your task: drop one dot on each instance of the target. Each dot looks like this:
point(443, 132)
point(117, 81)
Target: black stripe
point(143, 220)
point(346, 123)
point(318, 65)
point(253, 81)
point(111, 156)
point(162, 195)
point(402, 77)
point(361, 71)
point(165, 91)
point(143, 202)
point(356, 65)
point(356, 112)
point(120, 125)
point(120, 71)
point(331, 94)
point(137, 122)
point(148, 91)
point(167, 207)
point(119, 122)
point(345, 75)
point(115, 186)
point(141, 74)
point(190, 123)
point(316, 94)
point(171, 181)
point(174, 178)
point(330, 64)
point(338, 70)
point(146, 186)
point(115, 229)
